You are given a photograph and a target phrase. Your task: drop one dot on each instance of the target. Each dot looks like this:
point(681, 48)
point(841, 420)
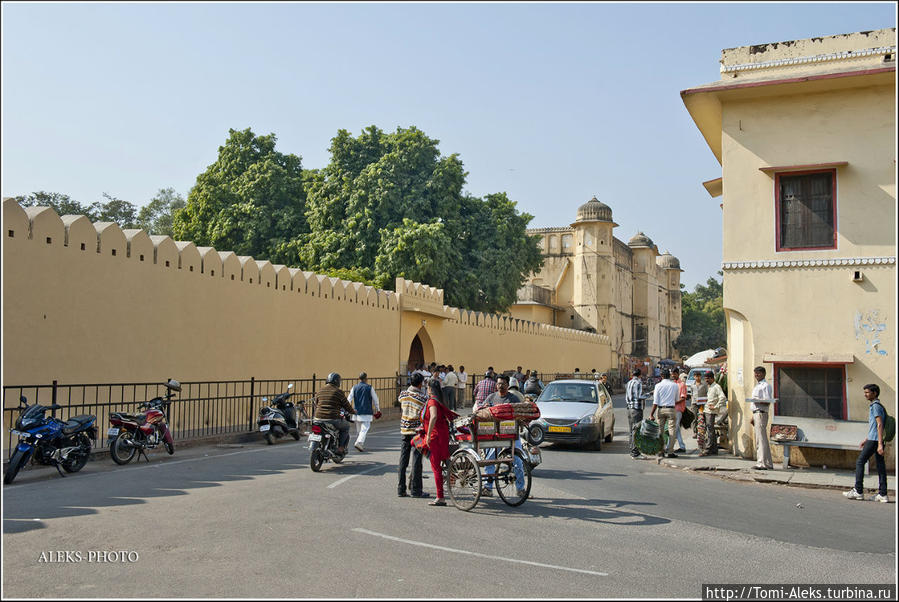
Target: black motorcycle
point(49, 440)
point(323, 441)
point(279, 418)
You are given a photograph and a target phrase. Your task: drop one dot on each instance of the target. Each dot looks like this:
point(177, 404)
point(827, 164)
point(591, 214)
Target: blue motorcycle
point(49, 440)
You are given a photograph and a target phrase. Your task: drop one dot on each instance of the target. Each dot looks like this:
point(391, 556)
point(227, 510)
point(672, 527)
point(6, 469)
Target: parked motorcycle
point(132, 434)
point(323, 441)
point(49, 440)
point(279, 418)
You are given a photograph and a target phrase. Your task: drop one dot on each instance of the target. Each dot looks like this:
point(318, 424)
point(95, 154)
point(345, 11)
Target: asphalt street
point(252, 520)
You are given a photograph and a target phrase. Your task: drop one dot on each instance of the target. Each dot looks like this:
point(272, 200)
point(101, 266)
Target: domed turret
point(668, 261)
point(640, 240)
point(594, 211)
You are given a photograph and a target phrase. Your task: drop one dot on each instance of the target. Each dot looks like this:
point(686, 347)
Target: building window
point(566, 242)
point(554, 244)
point(806, 210)
point(811, 391)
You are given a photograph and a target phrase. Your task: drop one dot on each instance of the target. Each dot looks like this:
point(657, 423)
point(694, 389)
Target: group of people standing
point(670, 398)
point(452, 381)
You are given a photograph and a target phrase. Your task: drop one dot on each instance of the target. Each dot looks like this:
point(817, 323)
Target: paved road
point(254, 521)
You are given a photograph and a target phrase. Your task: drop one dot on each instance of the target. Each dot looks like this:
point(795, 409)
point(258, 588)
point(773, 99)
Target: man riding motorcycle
point(329, 400)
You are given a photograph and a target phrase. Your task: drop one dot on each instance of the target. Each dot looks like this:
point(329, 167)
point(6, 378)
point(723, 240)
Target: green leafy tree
point(156, 217)
point(62, 204)
point(392, 203)
point(114, 210)
point(702, 318)
point(251, 201)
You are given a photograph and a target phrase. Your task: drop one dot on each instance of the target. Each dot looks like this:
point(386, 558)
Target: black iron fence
point(203, 408)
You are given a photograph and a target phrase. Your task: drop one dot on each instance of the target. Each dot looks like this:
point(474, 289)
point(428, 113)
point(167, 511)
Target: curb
point(744, 474)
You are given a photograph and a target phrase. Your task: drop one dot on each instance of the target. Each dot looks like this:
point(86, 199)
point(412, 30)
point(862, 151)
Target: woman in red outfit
point(436, 419)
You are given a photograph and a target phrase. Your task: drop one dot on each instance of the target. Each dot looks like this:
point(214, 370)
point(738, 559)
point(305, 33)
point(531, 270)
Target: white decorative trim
point(807, 263)
point(819, 58)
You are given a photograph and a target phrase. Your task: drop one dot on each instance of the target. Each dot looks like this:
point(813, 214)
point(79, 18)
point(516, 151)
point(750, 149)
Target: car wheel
point(536, 434)
point(597, 445)
point(611, 434)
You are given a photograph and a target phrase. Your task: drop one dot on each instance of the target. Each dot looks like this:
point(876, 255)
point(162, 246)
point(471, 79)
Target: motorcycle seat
point(138, 418)
point(77, 423)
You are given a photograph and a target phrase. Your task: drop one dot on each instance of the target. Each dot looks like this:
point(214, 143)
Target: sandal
point(437, 503)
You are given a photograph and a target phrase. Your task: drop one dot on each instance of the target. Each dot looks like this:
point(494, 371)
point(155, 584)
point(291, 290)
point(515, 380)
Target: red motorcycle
point(133, 434)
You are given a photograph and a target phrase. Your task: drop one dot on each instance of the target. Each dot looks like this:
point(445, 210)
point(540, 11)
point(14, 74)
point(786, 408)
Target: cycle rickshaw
point(477, 444)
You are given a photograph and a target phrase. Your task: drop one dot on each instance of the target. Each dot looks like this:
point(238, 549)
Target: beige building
point(592, 281)
point(805, 134)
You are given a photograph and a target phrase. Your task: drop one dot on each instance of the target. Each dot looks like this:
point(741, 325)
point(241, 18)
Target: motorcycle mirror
point(174, 385)
point(265, 399)
point(23, 400)
point(290, 386)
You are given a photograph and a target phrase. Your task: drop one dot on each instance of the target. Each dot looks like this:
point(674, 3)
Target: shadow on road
point(611, 512)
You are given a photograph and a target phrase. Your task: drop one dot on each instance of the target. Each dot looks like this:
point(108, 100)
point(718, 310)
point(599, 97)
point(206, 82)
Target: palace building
point(592, 281)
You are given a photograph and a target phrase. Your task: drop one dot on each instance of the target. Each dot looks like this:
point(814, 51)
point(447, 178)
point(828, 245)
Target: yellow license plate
point(559, 429)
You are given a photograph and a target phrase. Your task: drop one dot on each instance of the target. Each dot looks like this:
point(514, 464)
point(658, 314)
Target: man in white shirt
point(450, 382)
point(463, 382)
point(664, 396)
point(762, 396)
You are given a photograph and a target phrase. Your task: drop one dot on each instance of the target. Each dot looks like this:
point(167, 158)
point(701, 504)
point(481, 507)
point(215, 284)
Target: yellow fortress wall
point(90, 303)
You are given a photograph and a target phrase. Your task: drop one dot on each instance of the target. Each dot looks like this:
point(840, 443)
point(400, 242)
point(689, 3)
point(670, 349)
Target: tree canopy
point(113, 210)
point(391, 203)
point(156, 217)
point(702, 319)
point(250, 201)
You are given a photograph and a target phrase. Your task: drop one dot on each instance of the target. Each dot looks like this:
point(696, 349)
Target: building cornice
point(804, 60)
point(807, 263)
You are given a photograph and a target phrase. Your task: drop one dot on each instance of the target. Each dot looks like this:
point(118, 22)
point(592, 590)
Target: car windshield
point(569, 392)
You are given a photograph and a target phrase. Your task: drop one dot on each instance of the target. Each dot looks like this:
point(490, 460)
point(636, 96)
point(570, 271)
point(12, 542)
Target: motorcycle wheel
point(121, 452)
point(269, 438)
point(337, 457)
point(295, 434)
point(316, 460)
point(169, 447)
point(77, 463)
point(16, 462)
point(536, 434)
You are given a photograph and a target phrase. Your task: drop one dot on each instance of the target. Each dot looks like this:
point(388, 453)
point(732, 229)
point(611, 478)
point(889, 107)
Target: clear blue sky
point(550, 103)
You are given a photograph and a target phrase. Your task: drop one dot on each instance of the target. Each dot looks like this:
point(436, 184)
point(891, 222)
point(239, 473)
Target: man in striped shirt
point(634, 397)
point(484, 389)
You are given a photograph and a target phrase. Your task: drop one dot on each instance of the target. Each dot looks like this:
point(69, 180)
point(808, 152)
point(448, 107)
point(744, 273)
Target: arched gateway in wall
point(421, 350)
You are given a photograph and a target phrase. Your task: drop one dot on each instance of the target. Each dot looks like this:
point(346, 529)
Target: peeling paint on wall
point(868, 327)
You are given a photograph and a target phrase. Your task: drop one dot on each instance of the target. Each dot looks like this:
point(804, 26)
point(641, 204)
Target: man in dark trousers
point(412, 401)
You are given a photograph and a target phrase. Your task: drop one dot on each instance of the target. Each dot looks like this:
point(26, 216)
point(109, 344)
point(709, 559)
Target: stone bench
point(823, 433)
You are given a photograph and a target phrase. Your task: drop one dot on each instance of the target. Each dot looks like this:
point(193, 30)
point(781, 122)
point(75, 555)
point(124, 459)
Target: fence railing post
point(252, 389)
point(53, 398)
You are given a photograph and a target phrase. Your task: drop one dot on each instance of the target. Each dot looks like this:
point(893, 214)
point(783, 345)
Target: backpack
point(889, 425)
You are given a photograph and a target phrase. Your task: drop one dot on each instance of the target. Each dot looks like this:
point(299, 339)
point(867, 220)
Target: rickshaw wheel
point(464, 480)
point(506, 483)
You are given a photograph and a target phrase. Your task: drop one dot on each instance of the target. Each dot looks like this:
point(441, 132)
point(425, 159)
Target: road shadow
point(580, 475)
point(46, 499)
point(610, 512)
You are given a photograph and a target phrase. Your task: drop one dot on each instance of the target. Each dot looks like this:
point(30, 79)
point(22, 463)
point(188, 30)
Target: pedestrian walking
point(365, 401)
point(664, 397)
point(633, 396)
point(871, 446)
point(412, 400)
point(762, 396)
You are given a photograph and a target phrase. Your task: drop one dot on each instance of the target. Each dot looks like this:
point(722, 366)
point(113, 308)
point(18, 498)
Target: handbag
point(687, 418)
point(420, 442)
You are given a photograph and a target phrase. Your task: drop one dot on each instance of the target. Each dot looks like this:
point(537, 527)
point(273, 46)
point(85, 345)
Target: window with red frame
point(811, 392)
point(806, 210)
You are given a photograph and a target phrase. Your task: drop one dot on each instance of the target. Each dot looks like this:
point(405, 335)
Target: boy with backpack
point(873, 446)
